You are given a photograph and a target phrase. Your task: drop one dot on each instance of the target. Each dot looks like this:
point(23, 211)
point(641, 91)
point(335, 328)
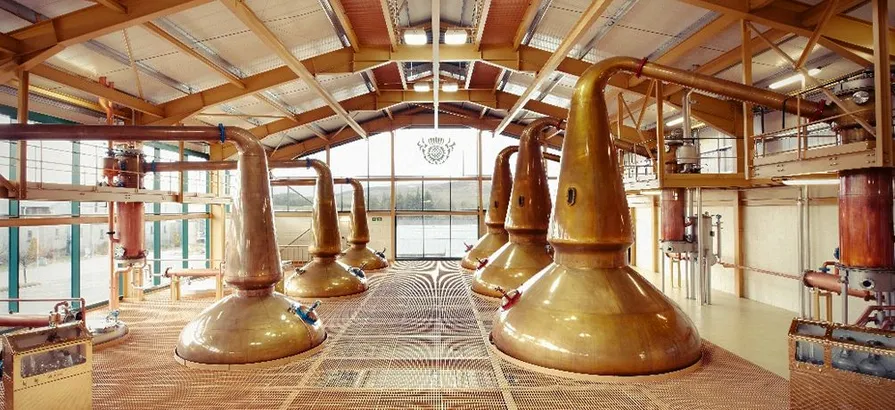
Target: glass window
point(436, 195)
point(437, 236)
point(94, 263)
point(408, 232)
point(464, 230)
point(151, 253)
point(45, 255)
point(4, 268)
point(410, 159)
point(171, 249)
point(197, 248)
point(379, 195)
point(90, 161)
point(464, 195)
point(409, 195)
point(50, 161)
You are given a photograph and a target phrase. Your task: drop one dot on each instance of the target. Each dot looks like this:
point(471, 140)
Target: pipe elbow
point(503, 157)
point(319, 166)
point(245, 142)
point(532, 132)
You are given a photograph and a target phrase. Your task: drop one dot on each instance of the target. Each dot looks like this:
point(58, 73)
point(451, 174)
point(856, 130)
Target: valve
point(112, 317)
point(468, 246)
point(380, 254)
point(307, 314)
point(300, 271)
point(549, 249)
point(358, 271)
point(509, 298)
point(482, 263)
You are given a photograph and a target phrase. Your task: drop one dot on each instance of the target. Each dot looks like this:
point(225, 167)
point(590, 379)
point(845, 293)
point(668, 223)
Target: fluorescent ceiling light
point(793, 79)
point(455, 36)
point(421, 87)
point(450, 87)
point(416, 37)
point(651, 192)
point(816, 181)
point(676, 121)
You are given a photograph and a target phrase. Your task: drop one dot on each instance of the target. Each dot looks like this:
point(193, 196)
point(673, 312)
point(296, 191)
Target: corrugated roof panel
point(503, 19)
point(55, 8)
point(368, 21)
point(82, 61)
point(143, 43)
point(9, 22)
point(41, 82)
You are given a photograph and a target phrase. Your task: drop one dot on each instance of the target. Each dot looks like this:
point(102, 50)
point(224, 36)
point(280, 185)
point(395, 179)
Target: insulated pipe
point(528, 217)
point(589, 312)
point(24, 320)
point(674, 214)
point(253, 262)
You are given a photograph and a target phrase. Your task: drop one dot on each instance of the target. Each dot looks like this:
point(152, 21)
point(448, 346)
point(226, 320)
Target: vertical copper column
point(865, 218)
point(497, 236)
point(528, 218)
point(674, 210)
point(358, 254)
point(130, 216)
point(324, 276)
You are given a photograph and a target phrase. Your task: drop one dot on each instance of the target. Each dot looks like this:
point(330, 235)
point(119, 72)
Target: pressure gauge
point(861, 97)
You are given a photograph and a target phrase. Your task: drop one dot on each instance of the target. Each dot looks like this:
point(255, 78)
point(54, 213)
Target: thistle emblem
point(436, 149)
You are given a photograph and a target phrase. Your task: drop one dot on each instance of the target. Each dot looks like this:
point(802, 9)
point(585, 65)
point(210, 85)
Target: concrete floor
point(749, 329)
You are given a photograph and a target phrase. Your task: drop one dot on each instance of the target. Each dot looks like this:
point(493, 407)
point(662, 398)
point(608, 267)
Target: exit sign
point(377, 219)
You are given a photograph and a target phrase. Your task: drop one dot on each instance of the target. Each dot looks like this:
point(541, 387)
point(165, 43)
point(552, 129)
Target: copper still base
point(324, 277)
point(483, 249)
point(509, 267)
point(364, 258)
point(259, 327)
point(599, 321)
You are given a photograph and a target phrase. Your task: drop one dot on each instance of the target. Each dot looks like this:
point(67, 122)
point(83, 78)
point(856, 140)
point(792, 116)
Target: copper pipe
point(832, 283)
point(192, 273)
point(265, 330)
point(865, 218)
point(528, 217)
point(178, 166)
point(24, 320)
point(323, 276)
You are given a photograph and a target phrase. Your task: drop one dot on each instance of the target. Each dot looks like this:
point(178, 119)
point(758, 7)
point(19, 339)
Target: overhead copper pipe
point(24, 320)
point(264, 330)
point(589, 312)
point(528, 216)
point(324, 276)
point(357, 254)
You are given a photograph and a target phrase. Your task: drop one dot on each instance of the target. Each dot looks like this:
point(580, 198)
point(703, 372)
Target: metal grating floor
point(416, 339)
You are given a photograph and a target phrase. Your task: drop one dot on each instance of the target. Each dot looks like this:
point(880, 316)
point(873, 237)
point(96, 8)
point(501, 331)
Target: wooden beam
point(158, 31)
point(882, 83)
point(812, 41)
point(22, 109)
point(530, 12)
point(697, 39)
point(790, 15)
point(744, 150)
point(175, 111)
point(813, 15)
point(97, 89)
point(10, 45)
point(480, 29)
point(388, 23)
point(581, 27)
point(42, 40)
point(112, 5)
point(250, 19)
point(346, 23)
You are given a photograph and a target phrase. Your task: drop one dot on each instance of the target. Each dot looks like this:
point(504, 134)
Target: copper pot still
point(528, 217)
point(357, 254)
point(324, 276)
point(589, 312)
point(498, 204)
point(255, 324)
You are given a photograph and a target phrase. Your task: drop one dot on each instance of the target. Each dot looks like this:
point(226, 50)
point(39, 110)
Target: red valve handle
point(482, 263)
point(468, 246)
